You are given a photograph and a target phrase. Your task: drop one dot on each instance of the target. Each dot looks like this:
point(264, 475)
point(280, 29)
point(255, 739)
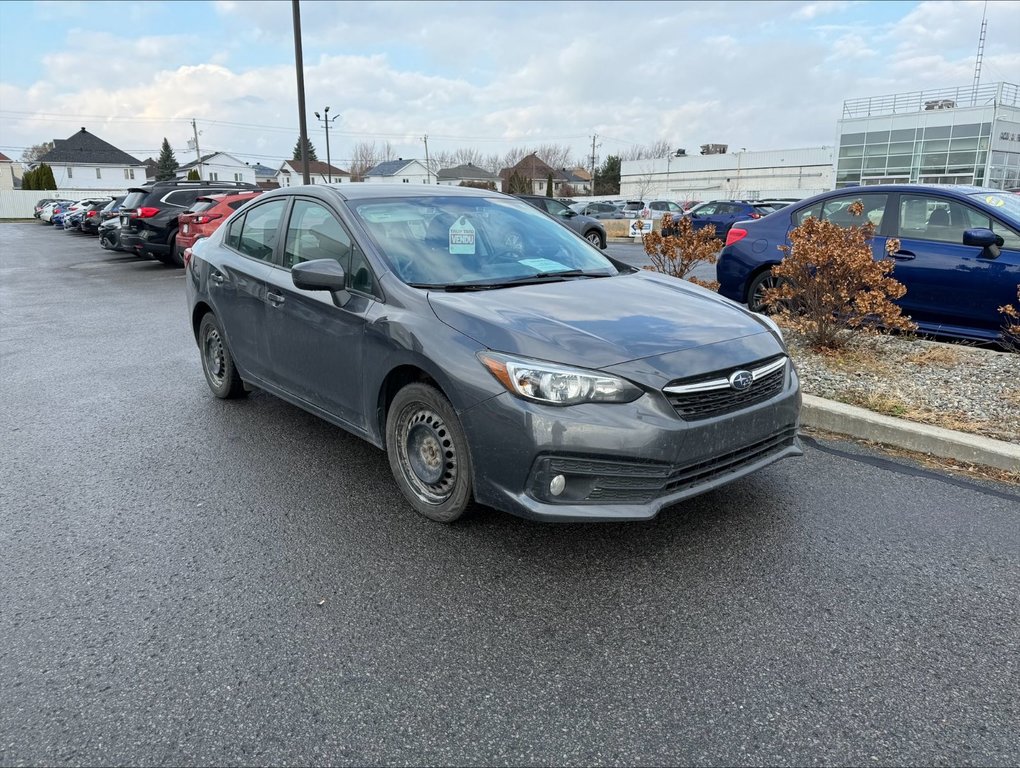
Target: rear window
point(201, 205)
point(633, 205)
point(133, 199)
point(764, 210)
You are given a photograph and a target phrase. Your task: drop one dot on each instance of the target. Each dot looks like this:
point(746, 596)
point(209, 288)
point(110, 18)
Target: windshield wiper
point(535, 279)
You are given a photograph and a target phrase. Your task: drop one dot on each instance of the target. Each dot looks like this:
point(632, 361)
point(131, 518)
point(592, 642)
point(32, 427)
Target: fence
point(20, 203)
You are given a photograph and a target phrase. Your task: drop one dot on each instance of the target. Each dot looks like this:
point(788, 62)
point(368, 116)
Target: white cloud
point(492, 76)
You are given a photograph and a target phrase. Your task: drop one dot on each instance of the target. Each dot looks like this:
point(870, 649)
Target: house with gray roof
point(85, 161)
point(466, 174)
point(400, 171)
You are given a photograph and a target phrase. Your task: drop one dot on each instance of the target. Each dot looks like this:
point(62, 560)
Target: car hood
point(596, 323)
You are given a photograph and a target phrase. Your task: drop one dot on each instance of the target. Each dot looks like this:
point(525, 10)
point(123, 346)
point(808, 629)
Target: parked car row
point(158, 220)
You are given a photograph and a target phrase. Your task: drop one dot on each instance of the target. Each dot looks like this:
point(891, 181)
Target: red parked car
point(206, 214)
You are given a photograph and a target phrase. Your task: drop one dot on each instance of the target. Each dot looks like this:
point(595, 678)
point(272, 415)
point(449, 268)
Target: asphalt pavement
point(187, 581)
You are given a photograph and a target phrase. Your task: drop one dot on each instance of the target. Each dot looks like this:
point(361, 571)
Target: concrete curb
point(856, 422)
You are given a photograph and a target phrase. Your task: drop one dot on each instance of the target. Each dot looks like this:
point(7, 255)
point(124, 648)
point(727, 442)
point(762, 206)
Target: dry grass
point(935, 356)
point(891, 404)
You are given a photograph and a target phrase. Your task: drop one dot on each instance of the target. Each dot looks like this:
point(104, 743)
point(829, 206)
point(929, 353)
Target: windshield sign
point(1006, 204)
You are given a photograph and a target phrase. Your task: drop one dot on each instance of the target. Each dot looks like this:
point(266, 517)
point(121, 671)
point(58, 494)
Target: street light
point(669, 159)
point(326, 119)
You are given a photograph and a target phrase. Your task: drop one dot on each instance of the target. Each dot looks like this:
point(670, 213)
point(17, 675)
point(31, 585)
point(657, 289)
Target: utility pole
point(428, 168)
point(300, 66)
point(327, 120)
point(198, 152)
point(594, 136)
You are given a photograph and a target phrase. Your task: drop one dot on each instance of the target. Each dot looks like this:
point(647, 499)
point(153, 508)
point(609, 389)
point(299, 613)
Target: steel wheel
point(217, 364)
point(428, 452)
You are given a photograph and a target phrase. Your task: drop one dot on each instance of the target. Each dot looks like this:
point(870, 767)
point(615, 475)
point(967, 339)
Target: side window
point(260, 230)
point(837, 210)
point(555, 207)
point(811, 212)
point(233, 237)
point(314, 233)
point(926, 217)
point(707, 210)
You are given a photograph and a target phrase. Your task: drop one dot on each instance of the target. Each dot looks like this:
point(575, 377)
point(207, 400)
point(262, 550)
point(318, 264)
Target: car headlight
point(557, 384)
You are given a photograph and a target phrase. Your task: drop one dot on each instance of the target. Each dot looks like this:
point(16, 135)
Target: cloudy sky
point(487, 75)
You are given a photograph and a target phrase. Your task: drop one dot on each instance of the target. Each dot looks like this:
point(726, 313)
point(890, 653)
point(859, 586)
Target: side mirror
point(322, 275)
point(981, 237)
point(568, 214)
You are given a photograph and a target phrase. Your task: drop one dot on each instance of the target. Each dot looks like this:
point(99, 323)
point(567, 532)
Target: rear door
point(949, 283)
point(237, 284)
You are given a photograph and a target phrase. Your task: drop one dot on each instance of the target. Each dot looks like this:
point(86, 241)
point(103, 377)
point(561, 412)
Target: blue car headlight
point(553, 384)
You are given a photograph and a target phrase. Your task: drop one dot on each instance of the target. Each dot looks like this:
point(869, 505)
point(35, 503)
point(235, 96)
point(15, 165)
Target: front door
point(315, 345)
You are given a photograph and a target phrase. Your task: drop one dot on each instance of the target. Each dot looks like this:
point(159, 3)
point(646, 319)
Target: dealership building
point(960, 135)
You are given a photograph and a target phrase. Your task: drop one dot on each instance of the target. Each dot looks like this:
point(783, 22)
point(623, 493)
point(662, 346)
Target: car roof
point(368, 191)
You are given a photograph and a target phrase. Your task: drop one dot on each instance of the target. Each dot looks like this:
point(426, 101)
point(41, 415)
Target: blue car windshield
point(1006, 204)
point(449, 241)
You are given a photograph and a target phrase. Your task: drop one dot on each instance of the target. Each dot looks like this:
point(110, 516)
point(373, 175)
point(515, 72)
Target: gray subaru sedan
point(492, 353)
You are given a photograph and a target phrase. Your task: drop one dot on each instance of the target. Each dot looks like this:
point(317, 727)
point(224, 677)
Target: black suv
point(148, 215)
point(588, 228)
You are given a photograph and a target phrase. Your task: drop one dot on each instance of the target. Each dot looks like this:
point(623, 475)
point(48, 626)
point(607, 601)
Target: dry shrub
point(830, 284)
point(1011, 328)
point(680, 248)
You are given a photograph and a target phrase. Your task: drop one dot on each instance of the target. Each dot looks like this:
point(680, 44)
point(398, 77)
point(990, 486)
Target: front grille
point(702, 397)
point(631, 483)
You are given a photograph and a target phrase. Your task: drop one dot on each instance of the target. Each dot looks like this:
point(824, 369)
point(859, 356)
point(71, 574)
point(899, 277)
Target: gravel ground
point(951, 385)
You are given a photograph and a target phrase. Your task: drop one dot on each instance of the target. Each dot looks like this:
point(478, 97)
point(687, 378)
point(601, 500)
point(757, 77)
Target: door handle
point(216, 277)
point(902, 255)
point(276, 299)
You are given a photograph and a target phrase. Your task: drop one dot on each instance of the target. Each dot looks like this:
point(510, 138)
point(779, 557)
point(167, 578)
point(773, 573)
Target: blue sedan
point(959, 254)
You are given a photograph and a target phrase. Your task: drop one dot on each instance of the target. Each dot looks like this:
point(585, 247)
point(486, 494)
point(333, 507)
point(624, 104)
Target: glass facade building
point(950, 136)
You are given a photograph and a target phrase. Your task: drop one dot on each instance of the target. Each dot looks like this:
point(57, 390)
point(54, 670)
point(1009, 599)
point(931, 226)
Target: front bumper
point(622, 461)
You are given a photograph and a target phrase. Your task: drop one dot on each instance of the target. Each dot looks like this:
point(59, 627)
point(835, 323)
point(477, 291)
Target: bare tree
point(36, 151)
point(386, 153)
point(364, 157)
point(659, 148)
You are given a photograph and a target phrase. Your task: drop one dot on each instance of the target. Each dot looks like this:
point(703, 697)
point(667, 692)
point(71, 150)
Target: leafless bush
point(829, 283)
point(682, 249)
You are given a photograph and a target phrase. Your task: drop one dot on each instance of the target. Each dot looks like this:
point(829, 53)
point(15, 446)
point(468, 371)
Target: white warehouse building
point(775, 173)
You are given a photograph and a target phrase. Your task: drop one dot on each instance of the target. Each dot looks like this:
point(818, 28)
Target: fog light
point(557, 485)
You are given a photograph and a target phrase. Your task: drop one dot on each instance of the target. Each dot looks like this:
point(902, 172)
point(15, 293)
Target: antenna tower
point(980, 54)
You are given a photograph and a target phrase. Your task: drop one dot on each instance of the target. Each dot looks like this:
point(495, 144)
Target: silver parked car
point(542, 378)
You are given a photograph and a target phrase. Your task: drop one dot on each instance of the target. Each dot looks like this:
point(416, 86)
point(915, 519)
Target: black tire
point(217, 363)
point(594, 237)
point(428, 453)
point(176, 255)
point(756, 288)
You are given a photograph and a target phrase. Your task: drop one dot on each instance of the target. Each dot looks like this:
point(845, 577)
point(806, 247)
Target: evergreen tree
point(167, 163)
point(607, 178)
point(548, 185)
point(193, 175)
point(44, 178)
point(297, 150)
point(28, 180)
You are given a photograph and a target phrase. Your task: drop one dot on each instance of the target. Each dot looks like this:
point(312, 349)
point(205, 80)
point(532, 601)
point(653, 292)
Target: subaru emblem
point(741, 380)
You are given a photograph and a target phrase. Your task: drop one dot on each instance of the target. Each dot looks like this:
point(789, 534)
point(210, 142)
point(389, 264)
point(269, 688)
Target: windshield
point(1005, 204)
point(437, 241)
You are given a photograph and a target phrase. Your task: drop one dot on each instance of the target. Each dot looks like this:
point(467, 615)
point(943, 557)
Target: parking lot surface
point(191, 581)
